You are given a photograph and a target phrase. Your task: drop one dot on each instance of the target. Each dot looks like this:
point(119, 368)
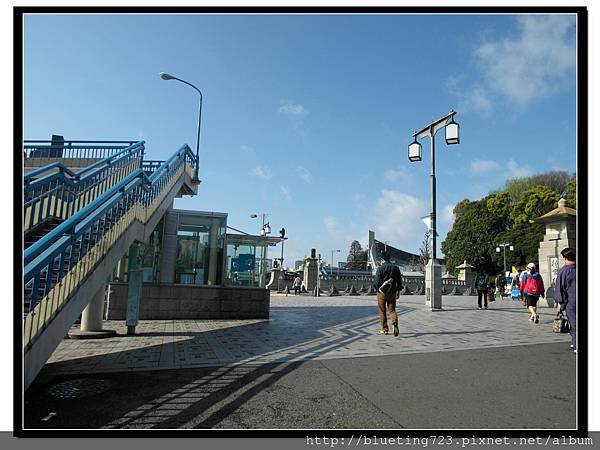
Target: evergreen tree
point(505, 216)
point(357, 257)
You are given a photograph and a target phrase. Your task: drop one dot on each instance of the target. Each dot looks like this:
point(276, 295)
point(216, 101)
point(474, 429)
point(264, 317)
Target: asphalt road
point(518, 387)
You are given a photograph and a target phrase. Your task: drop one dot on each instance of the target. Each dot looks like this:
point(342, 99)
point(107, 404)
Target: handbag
point(560, 324)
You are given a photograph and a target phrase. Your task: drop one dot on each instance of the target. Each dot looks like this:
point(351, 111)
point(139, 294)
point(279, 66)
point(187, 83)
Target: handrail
point(69, 243)
point(183, 150)
point(55, 165)
point(72, 148)
point(69, 224)
point(63, 192)
point(27, 177)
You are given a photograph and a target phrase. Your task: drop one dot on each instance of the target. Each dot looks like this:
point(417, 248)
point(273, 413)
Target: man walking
point(565, 292)
point(388, 283)
point(482, 284)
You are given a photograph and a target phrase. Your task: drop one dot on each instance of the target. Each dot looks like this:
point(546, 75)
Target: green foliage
point(471, 237)
point(556, 181)
point(533, 203)
point(357, 257)
point(504, 217)
point(571, 196)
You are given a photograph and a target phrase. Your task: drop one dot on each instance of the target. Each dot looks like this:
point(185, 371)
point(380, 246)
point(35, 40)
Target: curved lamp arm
point(166, 76)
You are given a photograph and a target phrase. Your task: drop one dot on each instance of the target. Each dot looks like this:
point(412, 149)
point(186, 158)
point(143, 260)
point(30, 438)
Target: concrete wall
point(182, 301)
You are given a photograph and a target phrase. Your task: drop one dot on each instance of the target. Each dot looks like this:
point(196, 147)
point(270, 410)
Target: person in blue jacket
point(565, 292)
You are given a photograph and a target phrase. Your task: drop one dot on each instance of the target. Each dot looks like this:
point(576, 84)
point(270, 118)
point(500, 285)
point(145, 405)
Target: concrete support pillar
point(213, 238)
point(134, 291)
point(122, 268)
point(92, 319)
point(92, 315)
point(168, 250)
point(433, 285)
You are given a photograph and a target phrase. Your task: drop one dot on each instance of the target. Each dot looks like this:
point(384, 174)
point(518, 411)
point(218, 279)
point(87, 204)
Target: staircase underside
point(44, 344)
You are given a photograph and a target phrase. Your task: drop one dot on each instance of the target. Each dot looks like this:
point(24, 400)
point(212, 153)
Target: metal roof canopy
point(251, 239)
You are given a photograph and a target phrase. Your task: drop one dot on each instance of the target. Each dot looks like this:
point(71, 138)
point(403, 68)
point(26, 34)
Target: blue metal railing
point(49, 260)
point(73, 149)
point(56, 191)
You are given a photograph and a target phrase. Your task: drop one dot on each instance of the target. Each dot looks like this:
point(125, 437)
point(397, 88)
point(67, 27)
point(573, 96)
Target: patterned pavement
point(304, 328)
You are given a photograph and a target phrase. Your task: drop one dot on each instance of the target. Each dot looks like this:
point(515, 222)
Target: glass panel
point(191, 266)
point(151, 256)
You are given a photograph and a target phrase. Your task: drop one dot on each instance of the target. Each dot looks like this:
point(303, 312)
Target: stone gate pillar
point(311, 271)
point(561, 232)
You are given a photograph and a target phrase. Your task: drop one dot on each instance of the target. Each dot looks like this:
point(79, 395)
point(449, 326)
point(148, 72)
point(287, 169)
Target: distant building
point(405, 260)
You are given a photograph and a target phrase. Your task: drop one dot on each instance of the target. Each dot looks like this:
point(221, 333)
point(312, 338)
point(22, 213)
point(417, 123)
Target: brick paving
point(306, 328)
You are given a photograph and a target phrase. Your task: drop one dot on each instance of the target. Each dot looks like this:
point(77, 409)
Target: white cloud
point(330, 223)
point(512, 169)
point(517, 170)
point(397, 176)
point(533, 64)
point(447, 216)
point(484, 165)
point(397, 218)
point(285, 191)
point(294, 109)
point(304, 174)
point(261, 172)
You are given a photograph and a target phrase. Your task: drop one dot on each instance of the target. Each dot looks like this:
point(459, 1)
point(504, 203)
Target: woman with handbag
point(565, 292)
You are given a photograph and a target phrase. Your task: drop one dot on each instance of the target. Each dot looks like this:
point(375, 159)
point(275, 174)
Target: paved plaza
point(318, 363)
point(304, 328)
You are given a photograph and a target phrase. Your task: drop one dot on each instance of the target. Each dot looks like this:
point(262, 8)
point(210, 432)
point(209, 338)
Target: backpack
point(534, 285)
point(387, 286)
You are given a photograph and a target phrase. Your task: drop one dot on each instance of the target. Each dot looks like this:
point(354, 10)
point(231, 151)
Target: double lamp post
point(433, 270)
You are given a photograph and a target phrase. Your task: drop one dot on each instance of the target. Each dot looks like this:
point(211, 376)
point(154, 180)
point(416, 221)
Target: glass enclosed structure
point(192, 247)
point(247, 262)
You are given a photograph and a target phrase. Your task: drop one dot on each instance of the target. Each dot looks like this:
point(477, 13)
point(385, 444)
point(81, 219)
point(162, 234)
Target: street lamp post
point(265, 227)
point(264, 230)
point(332, 265)
point(166, 76)
point(504, 245)
point(282, 235)
point(433, 272)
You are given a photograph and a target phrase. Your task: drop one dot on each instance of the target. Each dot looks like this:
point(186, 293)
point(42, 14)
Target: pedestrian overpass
point(84, 204)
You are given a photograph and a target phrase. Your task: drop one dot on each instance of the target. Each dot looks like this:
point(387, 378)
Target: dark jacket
point(565, 291)
point(385, 271)
point(482, 282)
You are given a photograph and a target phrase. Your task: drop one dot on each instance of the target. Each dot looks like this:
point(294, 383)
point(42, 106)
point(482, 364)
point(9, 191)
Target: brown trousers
point(388, 300)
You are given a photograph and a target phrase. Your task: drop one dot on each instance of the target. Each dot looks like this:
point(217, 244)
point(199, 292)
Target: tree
point(556, 181)
point(357, 257)
point(533, 203)
point(505, 216)
point(472, 236)
point(571, 195)
point(425, 250)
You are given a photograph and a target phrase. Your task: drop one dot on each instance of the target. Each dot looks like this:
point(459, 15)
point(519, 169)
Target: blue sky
point(308, 117)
